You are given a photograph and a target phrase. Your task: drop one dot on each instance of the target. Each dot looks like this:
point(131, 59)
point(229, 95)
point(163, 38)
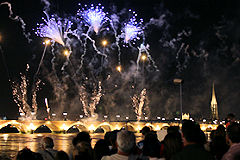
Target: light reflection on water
point(11, 143)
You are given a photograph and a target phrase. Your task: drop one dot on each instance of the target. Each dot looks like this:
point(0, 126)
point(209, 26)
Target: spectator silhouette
point(218, 145)
point(145, 130)
point(47, 152)
point(111, 138)
point(101, 149)
point(27, 154)
point(82, 147)
point(173, 129)
point(61, 155)
point(126, 142)
point(4, 157)
point(172, 144)
point(151, 146)
point(192, 137)
point(81, 136)
point(233, 138)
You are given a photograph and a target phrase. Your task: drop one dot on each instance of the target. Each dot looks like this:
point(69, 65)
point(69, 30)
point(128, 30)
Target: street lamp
point(117, 117)
point(22, 114)
point(53, 116)
point(65, 116)
point(179, 81)
point(105, 117)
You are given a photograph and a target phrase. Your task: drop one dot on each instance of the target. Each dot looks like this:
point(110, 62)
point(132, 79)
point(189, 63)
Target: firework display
point(97, 59)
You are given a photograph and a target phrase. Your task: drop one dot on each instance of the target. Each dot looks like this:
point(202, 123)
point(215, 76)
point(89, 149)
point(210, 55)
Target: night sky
point(195, 40)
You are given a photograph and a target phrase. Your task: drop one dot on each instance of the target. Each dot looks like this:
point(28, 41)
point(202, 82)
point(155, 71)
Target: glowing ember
point(104, 43)
point(119, 68)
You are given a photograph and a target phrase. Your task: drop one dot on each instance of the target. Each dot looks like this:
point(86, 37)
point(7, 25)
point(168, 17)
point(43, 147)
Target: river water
point(11, 143)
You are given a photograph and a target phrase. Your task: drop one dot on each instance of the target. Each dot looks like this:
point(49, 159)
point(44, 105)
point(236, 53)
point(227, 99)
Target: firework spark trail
point(83, 99)
point(130, 32)
point(46, 5)
point(20, 97)
point(52, 28)
point(77, 35)
point(132, 29)
point(34, 96)
point(145, 49)
point(57, 30)
point(187, 56)
point(85, 50)
point(180, 65)
point(17, 18)
point(47, 108)
point(59, 90)
point(90, 107)
point(94, 17)
point(95, 99)
point(94, 45)
point(177, 56)
point(23, 90)
point(53, 62)
point(44, 51)
point(138, 103)
point(117, 42)
point(46, 102)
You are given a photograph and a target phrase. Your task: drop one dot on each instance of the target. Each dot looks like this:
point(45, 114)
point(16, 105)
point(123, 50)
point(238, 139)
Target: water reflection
point(11, 143)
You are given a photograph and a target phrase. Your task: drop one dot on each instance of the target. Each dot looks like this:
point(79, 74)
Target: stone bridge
point(91, 126)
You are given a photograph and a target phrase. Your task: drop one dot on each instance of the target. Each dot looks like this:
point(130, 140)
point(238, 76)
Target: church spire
point(214, 107)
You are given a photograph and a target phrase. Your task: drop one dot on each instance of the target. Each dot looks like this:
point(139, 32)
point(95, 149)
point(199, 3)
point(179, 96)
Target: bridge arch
point(105, 126)
point(20, 127)
point(73, 129)
point(9, 129)
point(79, 125)
point(48, 124)
point(43, 129)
